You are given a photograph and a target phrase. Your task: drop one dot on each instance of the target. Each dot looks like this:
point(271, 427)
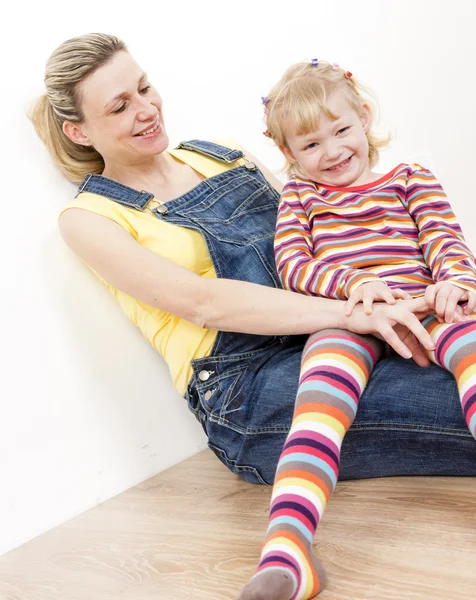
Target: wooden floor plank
point(194, 532)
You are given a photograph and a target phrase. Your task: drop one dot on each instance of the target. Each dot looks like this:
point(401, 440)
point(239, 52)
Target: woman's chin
point(152, 147)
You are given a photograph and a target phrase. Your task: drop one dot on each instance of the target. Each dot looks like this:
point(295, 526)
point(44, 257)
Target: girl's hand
point(390, 323)
point(373, 290)
point(444, 298)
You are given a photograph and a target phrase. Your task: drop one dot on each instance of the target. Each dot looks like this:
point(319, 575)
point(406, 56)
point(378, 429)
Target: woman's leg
point(336, 366)
point(455, 351)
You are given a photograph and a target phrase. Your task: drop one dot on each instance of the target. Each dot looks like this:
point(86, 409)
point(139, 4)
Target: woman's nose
point(146, 110)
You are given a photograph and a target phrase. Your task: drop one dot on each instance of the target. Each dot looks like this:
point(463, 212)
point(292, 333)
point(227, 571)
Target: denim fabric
point(409, 419)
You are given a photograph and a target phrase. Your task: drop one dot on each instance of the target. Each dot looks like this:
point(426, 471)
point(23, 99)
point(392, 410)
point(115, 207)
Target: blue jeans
point(409, 420)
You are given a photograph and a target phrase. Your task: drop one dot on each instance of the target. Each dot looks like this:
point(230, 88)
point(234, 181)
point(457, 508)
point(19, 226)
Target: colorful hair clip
point(264, 100)
point(335, 67)
point(267, 134)
point(314, 62)
point(347, 74)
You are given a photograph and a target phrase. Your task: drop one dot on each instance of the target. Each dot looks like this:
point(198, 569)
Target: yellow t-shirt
point(178, 341)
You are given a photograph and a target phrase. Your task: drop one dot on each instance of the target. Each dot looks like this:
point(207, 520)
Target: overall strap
point(113, 190)
point(212, 150)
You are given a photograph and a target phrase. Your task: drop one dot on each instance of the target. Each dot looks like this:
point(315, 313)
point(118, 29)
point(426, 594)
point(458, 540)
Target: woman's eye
point(343, 130)
point(120, 109)
point(145, 89)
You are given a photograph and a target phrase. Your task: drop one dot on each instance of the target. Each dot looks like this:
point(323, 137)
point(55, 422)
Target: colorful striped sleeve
point(297, 267)
point(440, 236)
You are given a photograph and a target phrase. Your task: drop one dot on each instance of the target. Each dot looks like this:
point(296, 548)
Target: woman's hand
point(391, 322)
point(368, 292)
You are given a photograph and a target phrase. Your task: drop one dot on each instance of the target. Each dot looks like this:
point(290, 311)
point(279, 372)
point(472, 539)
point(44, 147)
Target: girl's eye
point(311, 145)
point(119, 110)
point(343, 130)
point(145, 89)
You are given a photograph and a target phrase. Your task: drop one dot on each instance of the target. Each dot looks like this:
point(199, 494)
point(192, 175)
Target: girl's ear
point(287, 153)
point(365, 117)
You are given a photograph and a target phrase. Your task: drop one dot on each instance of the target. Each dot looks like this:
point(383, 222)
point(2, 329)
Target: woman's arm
point(220, 304)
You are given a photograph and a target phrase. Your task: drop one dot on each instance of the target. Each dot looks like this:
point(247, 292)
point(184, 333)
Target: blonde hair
point(67, 67)
point(301, 94)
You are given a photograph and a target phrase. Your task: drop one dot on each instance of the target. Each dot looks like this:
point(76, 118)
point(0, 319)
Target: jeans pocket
point(221, 396)
point(246, 472)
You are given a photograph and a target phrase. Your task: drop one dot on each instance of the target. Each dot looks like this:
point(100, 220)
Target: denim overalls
point(243, 392)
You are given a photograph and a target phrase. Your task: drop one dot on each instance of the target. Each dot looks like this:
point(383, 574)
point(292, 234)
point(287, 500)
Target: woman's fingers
point(418, 354)
point(413, 324)
point(404, 316)
point(391, 337)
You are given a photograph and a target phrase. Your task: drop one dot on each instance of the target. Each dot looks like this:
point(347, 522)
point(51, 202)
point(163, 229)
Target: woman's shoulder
point(104, 207)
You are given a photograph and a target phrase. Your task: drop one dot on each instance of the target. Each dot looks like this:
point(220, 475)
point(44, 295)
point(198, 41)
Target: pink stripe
point(299, 500)
point(317, 437)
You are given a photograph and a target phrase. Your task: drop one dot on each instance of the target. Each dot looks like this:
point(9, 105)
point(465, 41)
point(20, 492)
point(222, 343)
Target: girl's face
point(337, 153)
point(123, 113)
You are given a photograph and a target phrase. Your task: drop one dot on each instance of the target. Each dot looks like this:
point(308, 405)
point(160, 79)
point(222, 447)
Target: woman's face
point(123, 113)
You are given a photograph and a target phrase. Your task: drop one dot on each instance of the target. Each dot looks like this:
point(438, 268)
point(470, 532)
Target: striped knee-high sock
point(335, 369)
point(455, 351)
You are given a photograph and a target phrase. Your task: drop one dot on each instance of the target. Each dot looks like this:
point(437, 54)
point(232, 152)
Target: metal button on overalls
point(204, 375)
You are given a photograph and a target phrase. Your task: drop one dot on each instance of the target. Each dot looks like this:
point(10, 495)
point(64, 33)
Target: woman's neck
point(163, 176)
point(158, 168)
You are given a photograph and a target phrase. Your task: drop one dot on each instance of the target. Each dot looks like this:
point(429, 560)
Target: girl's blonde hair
point(301, 95)
point(66, 68)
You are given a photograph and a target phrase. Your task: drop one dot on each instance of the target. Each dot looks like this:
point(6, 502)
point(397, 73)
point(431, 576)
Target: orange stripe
point(464, 364)
point(325, 409)
point(299, 474)
point(340, 352)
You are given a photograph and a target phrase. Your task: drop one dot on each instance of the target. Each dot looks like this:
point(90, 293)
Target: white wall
point(87, 408)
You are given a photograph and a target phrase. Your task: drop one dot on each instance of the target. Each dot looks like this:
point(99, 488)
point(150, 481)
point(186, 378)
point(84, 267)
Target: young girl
point(346, 232)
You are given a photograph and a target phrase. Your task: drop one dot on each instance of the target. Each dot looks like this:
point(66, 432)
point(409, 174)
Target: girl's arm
point(440, 235)
point(219, 304)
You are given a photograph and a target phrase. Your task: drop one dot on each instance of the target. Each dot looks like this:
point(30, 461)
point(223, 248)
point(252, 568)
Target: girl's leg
point(456, 352)
point(336, 366)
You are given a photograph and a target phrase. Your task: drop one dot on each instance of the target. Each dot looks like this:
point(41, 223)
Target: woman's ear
point(366, 117)
point(75, 133)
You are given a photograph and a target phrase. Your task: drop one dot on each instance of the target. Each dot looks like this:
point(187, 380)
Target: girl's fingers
point(471, 304)
point(441, 300)
point(350, 304)
point(401, 294)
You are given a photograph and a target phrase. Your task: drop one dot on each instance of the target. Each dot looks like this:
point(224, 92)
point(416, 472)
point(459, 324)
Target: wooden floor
point(194, 533)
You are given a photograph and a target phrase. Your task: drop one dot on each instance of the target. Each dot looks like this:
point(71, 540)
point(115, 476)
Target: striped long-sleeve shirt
point(400, 229)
